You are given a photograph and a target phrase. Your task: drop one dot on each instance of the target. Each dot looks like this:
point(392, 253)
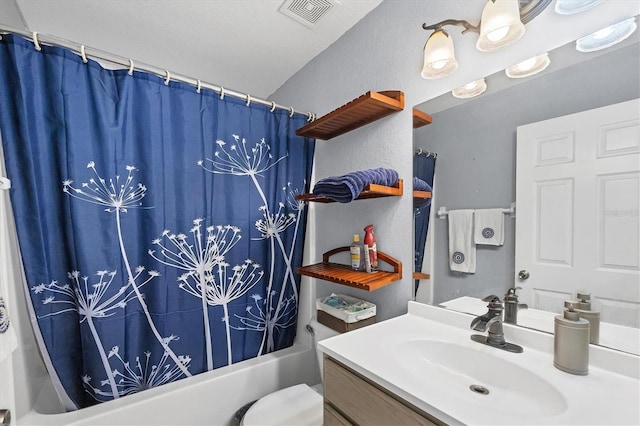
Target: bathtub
point(210, 398)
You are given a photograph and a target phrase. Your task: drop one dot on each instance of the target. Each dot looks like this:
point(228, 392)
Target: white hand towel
point(489, 227)
point(462, 250)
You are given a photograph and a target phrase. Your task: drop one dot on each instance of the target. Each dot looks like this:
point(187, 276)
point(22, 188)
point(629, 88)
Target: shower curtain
point(158, 227)
point(424, 166)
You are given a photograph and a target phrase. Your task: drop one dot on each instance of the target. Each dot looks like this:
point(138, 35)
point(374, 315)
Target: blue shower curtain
point(424, 166)
point(157, 225)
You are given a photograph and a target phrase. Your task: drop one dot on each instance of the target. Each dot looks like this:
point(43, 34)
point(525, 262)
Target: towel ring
point(36, 43)
point(83, 54)
point(273, 106)
point(199, 86)
point(168, 78)
point(221, 93)
point(130, 72)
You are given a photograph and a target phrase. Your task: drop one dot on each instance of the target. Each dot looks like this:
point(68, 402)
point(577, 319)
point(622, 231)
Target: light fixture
point(470, 90)
point(607, 37)
point(569, 7)
point(502, 24)
point(528, 67)
point(439, 58)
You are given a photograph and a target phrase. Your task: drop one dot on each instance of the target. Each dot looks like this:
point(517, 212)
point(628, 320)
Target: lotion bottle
point(571, 341)
point(356, 253)
point(372, 249)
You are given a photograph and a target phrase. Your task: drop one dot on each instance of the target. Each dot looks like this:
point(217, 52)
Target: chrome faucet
point(492, 323)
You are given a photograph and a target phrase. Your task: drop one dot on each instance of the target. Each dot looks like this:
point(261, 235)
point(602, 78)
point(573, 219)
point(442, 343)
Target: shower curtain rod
point(420, 151)
point(81, 50)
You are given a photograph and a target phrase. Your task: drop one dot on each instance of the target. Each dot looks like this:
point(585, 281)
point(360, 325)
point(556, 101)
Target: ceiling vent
point(307, 12)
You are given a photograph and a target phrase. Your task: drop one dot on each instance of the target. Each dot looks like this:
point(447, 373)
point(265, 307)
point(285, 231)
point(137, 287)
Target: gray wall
point(384, 52)
point(476, 146)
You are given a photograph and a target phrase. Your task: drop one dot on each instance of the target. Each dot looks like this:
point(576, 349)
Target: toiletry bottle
point(594, 324)
point(372, 249)
point(356, 253)
point(571, 341)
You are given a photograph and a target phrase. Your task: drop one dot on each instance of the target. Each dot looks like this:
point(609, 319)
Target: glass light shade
point(470, 90)
point(500, 25)
point(439, 58)
point(607, 37)
point(569, 7)
point(529, 67)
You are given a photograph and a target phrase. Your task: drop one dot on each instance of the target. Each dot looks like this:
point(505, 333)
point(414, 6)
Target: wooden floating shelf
point(343, 274)
point(370, 191)
point(420, 276)
point(420, 119)
point(359, 112)
point(421, 194)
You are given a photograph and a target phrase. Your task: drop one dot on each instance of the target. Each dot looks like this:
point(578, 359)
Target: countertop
point(609, 394)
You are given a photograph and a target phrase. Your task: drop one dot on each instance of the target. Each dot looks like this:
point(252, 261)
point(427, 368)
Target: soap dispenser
point(571, 341)
point(585, 311)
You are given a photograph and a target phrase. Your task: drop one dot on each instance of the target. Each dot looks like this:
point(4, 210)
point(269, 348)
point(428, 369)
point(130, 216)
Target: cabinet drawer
point(363, 402)
point(332, 418)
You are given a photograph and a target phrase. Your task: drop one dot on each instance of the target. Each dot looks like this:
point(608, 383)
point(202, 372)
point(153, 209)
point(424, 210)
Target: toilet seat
point(295, 405)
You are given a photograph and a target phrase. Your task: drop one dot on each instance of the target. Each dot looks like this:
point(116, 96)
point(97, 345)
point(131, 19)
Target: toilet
point(296, 405)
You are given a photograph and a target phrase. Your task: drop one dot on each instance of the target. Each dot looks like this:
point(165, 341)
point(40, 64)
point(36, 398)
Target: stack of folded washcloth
point(420, 185)
point(346, 188)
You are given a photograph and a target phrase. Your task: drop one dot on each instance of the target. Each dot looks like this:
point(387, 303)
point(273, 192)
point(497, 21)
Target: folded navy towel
point(347, 188)
point(420, 185)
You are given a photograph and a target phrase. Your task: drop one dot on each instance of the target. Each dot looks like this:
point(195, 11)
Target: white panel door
point(578, 221)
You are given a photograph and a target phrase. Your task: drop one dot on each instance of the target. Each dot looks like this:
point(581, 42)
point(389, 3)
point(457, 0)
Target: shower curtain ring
point(83, 54)
point(199, 86)
point(309, 117)
point(221, 93)
point(36, 43)
point(248, 100)
point(291, 112)
point(273, 106)
point(130, 72)
point(168, 78)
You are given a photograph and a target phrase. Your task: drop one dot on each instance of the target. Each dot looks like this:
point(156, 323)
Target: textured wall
point(384, 52)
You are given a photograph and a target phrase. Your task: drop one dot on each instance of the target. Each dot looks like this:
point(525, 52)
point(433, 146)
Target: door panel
point(578, 198)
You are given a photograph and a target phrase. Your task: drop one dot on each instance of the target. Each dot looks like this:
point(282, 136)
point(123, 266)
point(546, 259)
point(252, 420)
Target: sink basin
point(465, 372)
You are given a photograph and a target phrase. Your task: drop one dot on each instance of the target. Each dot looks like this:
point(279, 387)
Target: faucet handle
point(494, 302)
point(512, 291)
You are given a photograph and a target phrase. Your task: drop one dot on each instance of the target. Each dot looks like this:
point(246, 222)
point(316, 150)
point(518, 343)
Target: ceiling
point(248, 45)
point(243, 45)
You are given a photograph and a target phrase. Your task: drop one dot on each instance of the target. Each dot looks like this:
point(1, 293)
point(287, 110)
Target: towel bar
point(443, 212)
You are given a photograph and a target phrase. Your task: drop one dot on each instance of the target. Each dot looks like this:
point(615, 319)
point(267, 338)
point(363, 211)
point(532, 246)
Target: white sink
point(427, 358)
point(458, 368)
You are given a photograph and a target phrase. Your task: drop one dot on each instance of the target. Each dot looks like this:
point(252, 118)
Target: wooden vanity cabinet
point(350, 399)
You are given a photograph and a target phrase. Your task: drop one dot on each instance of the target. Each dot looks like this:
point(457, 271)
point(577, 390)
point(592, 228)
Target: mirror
point(475, 142)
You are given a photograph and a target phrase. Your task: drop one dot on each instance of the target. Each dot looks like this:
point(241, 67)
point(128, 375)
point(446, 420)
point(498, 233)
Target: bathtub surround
point(8, 338)
point(157, 225)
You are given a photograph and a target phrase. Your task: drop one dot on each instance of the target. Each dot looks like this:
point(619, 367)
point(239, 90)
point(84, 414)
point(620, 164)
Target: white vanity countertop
point(609, 394)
